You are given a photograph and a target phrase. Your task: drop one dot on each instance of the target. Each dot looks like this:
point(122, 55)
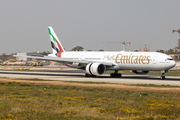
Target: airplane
point(97, 63)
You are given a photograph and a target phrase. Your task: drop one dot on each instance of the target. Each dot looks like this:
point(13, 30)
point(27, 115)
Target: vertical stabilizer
point(57, 48)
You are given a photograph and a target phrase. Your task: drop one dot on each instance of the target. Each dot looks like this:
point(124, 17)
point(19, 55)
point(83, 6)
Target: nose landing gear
point(163, 74)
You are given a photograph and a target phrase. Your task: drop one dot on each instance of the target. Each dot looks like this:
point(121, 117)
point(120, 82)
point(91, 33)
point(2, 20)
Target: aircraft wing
point(57, 59)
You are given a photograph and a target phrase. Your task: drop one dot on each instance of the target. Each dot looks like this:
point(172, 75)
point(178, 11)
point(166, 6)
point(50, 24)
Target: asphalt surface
point(78, 75)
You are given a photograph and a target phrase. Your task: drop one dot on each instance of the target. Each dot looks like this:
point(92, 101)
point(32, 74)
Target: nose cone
point(170, 65)
point(173, 63)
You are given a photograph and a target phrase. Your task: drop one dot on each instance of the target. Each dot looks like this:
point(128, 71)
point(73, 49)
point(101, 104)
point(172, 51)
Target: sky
point(88, 23)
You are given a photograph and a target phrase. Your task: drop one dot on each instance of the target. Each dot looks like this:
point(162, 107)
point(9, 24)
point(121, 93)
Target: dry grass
point(61, 100)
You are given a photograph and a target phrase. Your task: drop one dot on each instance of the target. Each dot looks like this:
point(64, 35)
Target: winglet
point(57, 48)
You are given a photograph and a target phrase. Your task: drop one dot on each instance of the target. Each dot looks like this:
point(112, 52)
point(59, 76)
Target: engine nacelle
point(140, 72)
point(95, 68)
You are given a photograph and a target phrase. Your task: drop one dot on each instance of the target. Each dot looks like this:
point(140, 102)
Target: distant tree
point(3, 54)
point(45, 53)
point(176, 50)
point(161, 51)
point(136, 50)
point(172, 51)
point(78, 48)
point(101, 50)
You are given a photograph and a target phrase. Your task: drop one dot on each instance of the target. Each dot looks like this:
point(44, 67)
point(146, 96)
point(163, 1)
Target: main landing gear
point(88, 75)
point(115, 74)
point(163, 74)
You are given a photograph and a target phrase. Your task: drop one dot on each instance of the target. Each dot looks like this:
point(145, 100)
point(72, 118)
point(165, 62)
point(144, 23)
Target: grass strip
point(30, 101)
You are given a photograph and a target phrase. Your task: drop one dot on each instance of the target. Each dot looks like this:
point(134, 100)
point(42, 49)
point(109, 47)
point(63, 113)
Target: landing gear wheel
point(119, 75)
point(162, 77)
point(112, 75)
point(163, 74)
point(115, 74)
point(87, 75)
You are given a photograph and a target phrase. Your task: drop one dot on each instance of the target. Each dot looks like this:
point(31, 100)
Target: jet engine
point(140, 72)
point(95, 69)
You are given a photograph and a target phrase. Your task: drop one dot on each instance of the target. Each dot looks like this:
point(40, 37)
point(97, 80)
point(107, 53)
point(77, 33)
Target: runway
point(79, 76)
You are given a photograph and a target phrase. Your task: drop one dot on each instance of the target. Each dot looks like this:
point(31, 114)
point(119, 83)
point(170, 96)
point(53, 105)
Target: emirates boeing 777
point(97, 63)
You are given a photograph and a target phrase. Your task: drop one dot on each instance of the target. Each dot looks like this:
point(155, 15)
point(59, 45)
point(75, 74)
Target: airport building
point(21, 58)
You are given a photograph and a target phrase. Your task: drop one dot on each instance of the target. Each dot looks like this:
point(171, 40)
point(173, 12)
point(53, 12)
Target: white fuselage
point(125, 60)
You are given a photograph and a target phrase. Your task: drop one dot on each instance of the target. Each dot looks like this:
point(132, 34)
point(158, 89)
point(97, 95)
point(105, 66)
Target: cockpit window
point(169, 59)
